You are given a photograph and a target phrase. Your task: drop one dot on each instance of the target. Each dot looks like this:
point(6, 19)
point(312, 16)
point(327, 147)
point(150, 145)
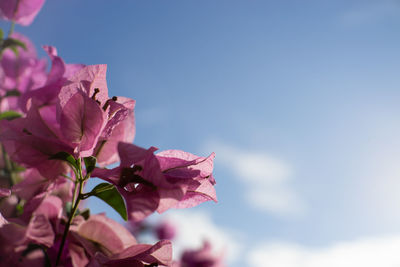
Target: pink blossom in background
point(20, 11)
point(21, 73)
point(203, 257)
point(165, 230)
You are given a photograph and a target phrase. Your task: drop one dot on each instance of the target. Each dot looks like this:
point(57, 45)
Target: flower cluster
point(58, 129)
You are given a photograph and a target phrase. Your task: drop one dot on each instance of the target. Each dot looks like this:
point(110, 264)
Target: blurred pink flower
point(20, 11)
point(165, 230)
point(203, 257)
point(20, 73)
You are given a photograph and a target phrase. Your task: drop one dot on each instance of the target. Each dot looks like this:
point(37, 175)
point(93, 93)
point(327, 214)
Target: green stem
point(75, 192)
point(67, 226)
point(73, 211)
point(9, 170)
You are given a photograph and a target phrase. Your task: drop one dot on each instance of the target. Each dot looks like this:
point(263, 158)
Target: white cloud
point(280, 200)
point(266, 179)
point(367, 252)
point(194, 227)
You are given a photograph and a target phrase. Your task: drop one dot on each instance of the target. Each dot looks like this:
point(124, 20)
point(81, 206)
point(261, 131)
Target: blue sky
point(299, 100)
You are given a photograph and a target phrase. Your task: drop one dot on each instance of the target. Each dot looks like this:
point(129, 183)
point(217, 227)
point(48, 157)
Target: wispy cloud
point(367, 252)
point(266, 179)
point(194, 227)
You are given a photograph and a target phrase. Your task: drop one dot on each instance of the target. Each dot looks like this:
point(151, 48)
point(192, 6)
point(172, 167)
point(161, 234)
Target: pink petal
point(82, 121)
point(183, 164)
point(141, 203)
point(21, 11)
point(3, 221)
point(51, 207)
point(5, 192)
point(107, 233)
point(160, 253)
point(78, 255)
point(122, 130)
point(86, 80)
point(169, 198)
point(40, 231)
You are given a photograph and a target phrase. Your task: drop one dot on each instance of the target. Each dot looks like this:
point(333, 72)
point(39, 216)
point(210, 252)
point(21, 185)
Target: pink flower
point(165, 230)
point(33, 184)
point(77, 118)
point(20, 11)
point(17, 234)
point(56, 78)
point(203, 257)
point(33, 150)
point(170, 179)
point(20, 73)
point(88, 116)
point(101, 241)
point(121, 129)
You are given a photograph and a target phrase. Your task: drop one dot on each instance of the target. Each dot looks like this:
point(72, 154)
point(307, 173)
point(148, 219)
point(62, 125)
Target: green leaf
point(9, 115)
point(14, 49)
point(11, 42)
point(13, 92)
point(90, 163)
point(19, 208)
point(1, 34)
point(19, 169)
point(84, 213)
point(66, 157)
point(109, 194)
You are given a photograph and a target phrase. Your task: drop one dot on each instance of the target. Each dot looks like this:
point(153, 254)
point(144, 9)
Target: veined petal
point(86, 80)
point(82, 121)
point(107, 233)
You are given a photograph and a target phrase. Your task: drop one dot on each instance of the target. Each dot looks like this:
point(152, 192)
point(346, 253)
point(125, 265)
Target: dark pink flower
point(165, 230)
point(203, 257)
point(20, 11)
point(171, 179)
